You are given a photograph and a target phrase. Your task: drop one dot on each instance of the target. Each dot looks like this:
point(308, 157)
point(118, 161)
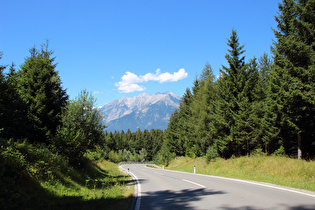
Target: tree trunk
point(299, 146)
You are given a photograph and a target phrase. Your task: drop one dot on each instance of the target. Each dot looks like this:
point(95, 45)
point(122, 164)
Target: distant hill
point(143, 111)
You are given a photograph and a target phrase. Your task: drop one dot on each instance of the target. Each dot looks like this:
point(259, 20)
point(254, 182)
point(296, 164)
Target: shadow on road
point(168, 199)
point(188, 198)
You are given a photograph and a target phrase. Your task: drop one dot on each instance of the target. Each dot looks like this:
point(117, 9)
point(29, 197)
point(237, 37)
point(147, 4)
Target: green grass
point(104, 187)
point(32, 177)
point(271, 169)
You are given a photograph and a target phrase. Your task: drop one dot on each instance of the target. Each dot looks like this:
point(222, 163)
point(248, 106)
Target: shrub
point(211, 154)
point(98, 153)
point(258, 152)
point(113, 156)
point(81, 129)
point(280, 151)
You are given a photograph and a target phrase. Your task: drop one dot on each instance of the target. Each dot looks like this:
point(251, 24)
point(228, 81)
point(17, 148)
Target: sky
point(123, 48)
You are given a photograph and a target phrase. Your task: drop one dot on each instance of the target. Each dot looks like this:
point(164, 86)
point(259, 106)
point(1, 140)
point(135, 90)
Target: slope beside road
point(165, 189)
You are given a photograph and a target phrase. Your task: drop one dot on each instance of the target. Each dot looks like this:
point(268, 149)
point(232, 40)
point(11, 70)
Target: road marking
point(268, 185)
point(200, 185)
point(158, 173)
point(137, 207)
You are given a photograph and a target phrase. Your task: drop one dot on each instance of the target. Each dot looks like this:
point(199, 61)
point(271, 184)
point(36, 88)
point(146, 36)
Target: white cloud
point(129, 81)
point(98, 92)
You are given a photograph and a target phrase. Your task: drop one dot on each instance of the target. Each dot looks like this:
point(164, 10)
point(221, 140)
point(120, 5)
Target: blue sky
point(123, 48)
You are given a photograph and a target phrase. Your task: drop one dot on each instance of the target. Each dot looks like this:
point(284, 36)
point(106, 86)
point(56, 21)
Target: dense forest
point(264, 104)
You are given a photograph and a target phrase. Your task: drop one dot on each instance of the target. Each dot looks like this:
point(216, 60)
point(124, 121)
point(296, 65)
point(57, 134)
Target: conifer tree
point(235, 112)
point(13, 123)
point(292, 87)
point(40, 88)
point(268, 119)
point(250, 109)
point(230, 84)
point(3, 98)
point(202, 108)
point(177, 135)
point(185, 142)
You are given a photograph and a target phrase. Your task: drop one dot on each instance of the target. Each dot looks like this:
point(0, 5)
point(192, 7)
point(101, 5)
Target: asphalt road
point(165, 189)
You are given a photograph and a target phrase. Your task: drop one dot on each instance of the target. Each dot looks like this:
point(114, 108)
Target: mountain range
point(143, 111)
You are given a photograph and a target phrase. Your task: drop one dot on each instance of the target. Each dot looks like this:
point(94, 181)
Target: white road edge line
point(265, 185)
point(200, 185)
point(137, 207)
point(253, 183)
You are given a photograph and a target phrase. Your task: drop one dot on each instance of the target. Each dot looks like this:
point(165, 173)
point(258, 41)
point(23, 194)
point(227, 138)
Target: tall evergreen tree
point(40, 88)
point(292, 86)
point(202, 109)
point(3, 97)
point(235, 112)
point(230, 84)
point(13, 123)
point(177, 135)
point(268, 118)
point(250, 109)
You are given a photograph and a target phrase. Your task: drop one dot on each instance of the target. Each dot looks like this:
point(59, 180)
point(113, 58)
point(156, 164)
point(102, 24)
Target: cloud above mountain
point(130, 81)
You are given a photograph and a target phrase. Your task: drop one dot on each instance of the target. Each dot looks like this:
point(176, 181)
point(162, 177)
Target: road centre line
point(200, 185)
point(158, 173)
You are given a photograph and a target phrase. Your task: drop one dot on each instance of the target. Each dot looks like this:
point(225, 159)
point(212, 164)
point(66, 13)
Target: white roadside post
point(194, 169)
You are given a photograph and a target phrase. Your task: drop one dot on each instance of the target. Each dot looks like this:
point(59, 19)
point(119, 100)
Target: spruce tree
point(185, 142)
point(202, 108)
point(3, 98)
point(268, 118)
point(40, 88)
point(250, 109)
point(230, 84)
point(13, 123)
point(178, 134)
point(292, 87)
point(236, 121)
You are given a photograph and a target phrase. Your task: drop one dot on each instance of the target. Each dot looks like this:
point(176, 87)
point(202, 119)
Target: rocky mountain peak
point(144, 111)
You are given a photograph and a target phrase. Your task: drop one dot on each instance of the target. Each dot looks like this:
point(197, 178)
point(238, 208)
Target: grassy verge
point(31, 177)
point(271, 169)
point(104, 187)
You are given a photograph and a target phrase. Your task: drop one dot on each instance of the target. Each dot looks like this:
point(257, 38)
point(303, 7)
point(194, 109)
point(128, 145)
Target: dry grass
point(272, 169)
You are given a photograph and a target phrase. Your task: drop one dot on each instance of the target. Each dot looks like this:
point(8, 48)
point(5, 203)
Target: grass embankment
point(101, 185)
point(32, 177)
point(271, 169)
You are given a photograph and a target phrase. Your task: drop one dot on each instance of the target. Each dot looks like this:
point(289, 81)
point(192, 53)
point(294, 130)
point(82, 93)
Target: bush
point(211, 154)
point(164, 156)
point(280, 151)
point(258, 152)
point(81, 129)
point(98, 153)
point(113, 157)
